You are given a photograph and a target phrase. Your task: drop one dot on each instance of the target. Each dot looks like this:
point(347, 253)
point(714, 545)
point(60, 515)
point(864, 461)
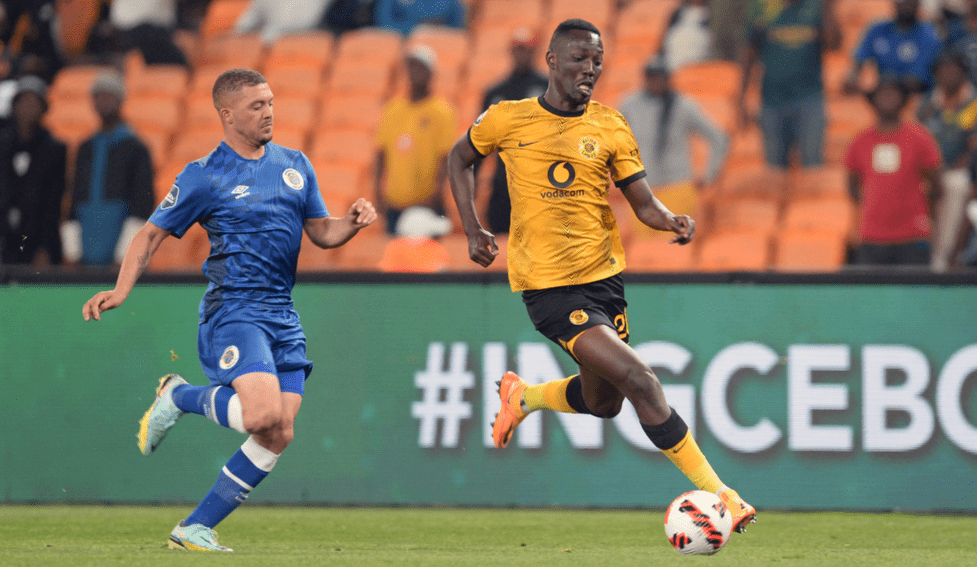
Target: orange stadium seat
point(308, 50)
point(350, 112)
point(597, 12)
point(361, 78)
point(451, 44)
point(757, 180)
point(824, 181)
point(365, 250)
point(827, 215)
point(199, 110)
point(370, 44)
point(158, 81)
point(710, 79)
point(721, 111)
point(193, 145)
point(756, 214)
point(75, 82)
point(72, 120)
point(153, 115)
point(341, 182)
point(296, 112)
point(315, 259)
point(734, 251)
point(296, 138)
point(295, 81)
point(415, 255)
point(486, 72)
point(659, 255)
point(245, 50)
point(807, 251)
point(343, 147)
point(158, 144)
point(509, 14)
point(185, 254)
point(221, 16)
point(746, 148)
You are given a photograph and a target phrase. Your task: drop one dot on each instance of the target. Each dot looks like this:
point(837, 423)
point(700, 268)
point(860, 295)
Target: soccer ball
point(698, 523)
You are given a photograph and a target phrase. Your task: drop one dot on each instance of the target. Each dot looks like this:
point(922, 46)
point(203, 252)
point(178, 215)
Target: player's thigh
point(601, 351)
point(230, 348)
point(261, 398)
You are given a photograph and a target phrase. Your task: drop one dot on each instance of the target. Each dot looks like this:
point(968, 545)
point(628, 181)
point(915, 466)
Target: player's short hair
point(567, 26)
point(233, 81)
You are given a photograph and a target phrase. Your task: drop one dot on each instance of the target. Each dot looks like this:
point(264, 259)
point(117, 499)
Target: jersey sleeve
point(488, 131)
point(188, 201)
point(315, 207)
point(626, 166)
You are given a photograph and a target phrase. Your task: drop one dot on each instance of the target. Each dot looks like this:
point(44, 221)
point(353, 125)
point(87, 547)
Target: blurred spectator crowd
point(803, 135)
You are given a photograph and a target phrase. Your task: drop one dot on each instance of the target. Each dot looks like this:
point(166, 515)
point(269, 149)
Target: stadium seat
point(185, 254)
point(720, 110)
point(308, 50)
point(597, 12)
point(343, 147)
point(734, 251)
point(746, 149)
point(830, 215)
point(202, 81)
point(659, 255)
point(244, 50)
point(74, 83)
point(364, 251)
point(158, 144)
point(341, 181)
point(296, 112)
point(295, 81)
point(293, 137)
point(756, 180)
point(709, 79)
point(199, 110)
point(193, 145)
point(414, 255)
point(158, 81)
point(153, 115)
point(72, 120)
point(381, 46)
point(746, 214)
point(824, 181)
point(451, 44)
point(315, 259)
point(809, 251)
point(221, 16)
point(485, 72)
point(508, 14)
point(360, 78)
point(350, 112)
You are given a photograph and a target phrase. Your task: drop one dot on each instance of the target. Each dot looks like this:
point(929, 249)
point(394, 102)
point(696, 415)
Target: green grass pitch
point(68, 536)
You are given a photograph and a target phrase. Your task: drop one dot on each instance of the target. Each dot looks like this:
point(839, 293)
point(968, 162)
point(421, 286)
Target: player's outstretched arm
point(653, 213)
point(141, 249)
point(482, 248)
point(331, 232)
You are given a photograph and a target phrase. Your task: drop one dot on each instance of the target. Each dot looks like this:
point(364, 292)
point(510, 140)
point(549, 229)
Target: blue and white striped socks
point(249, 466)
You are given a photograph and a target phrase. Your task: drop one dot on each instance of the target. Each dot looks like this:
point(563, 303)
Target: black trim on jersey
point(630, 179)
point(468, 136)
point(564, 113)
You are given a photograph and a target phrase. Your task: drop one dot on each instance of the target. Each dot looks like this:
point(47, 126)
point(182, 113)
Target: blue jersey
point(254, 211)
point(904, 54)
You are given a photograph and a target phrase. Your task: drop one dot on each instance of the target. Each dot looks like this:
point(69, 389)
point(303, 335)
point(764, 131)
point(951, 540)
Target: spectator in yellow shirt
point(413, 140)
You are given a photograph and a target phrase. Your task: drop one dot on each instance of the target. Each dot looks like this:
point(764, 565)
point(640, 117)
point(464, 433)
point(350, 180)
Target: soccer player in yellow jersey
point(565, 253)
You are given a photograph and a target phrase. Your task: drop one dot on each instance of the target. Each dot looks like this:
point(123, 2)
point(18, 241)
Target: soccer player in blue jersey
point(254, 198)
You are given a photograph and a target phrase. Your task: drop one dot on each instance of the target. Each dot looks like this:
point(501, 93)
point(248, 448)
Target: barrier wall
point(802, 396)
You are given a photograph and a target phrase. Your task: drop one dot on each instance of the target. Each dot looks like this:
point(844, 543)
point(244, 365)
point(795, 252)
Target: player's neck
point(243, 148)
point(558, 103)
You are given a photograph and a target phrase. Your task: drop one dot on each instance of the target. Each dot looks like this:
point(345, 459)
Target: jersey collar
point(564, 113)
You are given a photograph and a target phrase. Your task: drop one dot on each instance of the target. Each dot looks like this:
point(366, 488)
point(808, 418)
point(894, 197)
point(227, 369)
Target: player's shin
point(219, 404)
point(249, 466)
point(564, 395)
point(675, 440)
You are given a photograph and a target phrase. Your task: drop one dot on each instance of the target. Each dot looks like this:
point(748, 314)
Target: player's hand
point(362, 213)
point(482, 248)
point(101, 302)
point(684, 228)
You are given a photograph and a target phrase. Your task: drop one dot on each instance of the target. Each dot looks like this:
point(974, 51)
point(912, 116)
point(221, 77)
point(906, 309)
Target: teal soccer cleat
point(195, 537)
point(160, 416)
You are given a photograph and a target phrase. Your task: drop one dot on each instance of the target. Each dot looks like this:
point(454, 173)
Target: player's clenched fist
point(362, 213)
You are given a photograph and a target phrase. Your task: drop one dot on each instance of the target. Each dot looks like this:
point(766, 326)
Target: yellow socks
point(549, 395)
point(689, 459)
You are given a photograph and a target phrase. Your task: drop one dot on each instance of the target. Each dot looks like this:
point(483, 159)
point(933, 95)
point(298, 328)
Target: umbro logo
point(240, 191)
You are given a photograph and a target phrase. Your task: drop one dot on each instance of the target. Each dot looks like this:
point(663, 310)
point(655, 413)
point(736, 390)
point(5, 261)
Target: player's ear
point(227, 116)
point(550, 60)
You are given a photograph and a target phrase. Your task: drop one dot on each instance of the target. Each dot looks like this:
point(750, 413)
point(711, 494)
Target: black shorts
point(562, 313)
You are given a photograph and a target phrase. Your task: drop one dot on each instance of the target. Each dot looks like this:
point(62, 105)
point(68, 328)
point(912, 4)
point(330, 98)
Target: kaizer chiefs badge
point(589, 147)
point(579, 317)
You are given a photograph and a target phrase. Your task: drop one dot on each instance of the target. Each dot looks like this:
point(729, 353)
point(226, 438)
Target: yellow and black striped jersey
point(558, 166)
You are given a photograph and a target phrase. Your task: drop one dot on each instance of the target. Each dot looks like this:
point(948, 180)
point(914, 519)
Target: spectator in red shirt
point(888, 165)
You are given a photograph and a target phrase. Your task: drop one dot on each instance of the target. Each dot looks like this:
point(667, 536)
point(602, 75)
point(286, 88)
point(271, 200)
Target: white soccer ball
point(698, 523)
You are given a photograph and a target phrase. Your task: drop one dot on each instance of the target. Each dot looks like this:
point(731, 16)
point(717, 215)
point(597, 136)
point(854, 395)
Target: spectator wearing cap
point(113, 191)
point(949, 112)
point(32, 181)
point(788, 37)
point(688, 36)
point(524, 81)
point(413, 139)
point(405, 15)
point(894, 178)
point(904, 47)
point(664, 123)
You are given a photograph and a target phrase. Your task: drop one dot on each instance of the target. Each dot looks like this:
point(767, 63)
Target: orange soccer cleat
point(511, 414)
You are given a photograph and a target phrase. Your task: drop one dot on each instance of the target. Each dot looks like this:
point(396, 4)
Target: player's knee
point(640, 381)
point(263, 419)
point(608, 409)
